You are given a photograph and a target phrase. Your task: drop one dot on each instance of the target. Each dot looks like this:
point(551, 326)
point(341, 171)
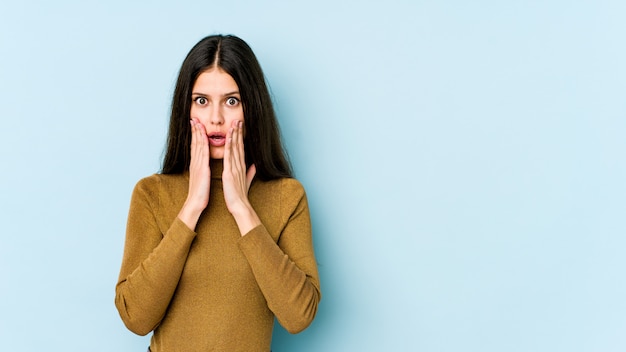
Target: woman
point(219, 243)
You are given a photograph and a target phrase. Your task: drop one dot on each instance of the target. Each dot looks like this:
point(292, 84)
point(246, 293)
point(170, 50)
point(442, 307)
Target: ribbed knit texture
point(212, 289)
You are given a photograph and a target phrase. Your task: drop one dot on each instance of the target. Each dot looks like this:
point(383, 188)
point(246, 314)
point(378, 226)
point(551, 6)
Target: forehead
point(215, 81)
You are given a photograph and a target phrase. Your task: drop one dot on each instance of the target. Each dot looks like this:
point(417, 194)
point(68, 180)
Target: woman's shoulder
point(287, 187)
point(292, 185)
point(155, 182)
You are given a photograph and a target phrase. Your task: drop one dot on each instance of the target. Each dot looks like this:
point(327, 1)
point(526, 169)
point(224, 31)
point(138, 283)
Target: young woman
point(219, 243)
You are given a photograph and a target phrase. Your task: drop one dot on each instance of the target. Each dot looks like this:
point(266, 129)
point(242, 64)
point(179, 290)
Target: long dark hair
point(262, 142)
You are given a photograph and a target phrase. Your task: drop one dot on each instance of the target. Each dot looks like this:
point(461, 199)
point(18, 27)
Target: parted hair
point(262, 140)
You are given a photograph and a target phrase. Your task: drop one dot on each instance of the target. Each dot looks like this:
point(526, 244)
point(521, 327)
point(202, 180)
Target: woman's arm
point(199, 176)
point(237, 180)
point(153, 262)
point(286, 271)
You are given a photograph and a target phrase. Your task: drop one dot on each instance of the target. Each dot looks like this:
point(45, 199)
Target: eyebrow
point(224, 95)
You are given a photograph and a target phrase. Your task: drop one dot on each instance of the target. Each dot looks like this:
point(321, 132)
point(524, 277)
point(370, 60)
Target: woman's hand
point(199, 176)
point(237, 180)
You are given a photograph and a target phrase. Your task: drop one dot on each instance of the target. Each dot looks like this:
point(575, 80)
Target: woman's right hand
point(199, 176)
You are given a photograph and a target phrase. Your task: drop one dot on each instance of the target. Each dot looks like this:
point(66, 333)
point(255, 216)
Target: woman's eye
point(232, 101)
point(201, 100)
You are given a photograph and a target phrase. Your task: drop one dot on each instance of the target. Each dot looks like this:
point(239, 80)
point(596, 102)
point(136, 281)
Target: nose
point(215, 115)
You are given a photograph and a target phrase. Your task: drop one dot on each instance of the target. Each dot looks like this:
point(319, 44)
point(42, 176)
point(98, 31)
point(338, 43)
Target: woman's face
point(216, 103)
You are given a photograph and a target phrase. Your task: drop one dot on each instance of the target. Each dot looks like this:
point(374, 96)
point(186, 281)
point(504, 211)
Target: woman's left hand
point(237, 180)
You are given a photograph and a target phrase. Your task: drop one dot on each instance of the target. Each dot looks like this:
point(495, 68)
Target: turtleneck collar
point(217, 167)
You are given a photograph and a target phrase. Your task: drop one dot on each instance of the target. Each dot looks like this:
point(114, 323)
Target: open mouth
point(217, 139)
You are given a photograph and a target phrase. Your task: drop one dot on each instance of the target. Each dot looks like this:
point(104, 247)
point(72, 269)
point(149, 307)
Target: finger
point(238, 148)
point(227, 146)
point(240, 143)
point(234, 151)
point(193, 132)
point(250, 175)
point(199, 149)
point(196, 133)
point(204, 139)
point(194, 142)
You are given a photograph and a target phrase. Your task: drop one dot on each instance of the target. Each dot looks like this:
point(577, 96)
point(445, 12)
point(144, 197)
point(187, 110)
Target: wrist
point(246, 218)
point(190, 214)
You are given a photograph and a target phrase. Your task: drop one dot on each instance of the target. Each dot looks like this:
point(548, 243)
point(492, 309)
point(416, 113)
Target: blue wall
point(464, 163)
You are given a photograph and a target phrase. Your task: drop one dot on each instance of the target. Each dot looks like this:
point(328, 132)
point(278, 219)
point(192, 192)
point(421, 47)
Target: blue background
point(464, 163)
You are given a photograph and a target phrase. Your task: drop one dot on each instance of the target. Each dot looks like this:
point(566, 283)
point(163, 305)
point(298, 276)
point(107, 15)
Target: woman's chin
point(217, 154)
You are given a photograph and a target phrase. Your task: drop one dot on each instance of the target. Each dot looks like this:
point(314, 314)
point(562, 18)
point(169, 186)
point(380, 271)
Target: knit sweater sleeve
point(286, 271)
point(153, 261)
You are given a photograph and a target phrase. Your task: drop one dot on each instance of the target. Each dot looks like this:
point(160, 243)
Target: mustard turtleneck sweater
point(212, 289)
